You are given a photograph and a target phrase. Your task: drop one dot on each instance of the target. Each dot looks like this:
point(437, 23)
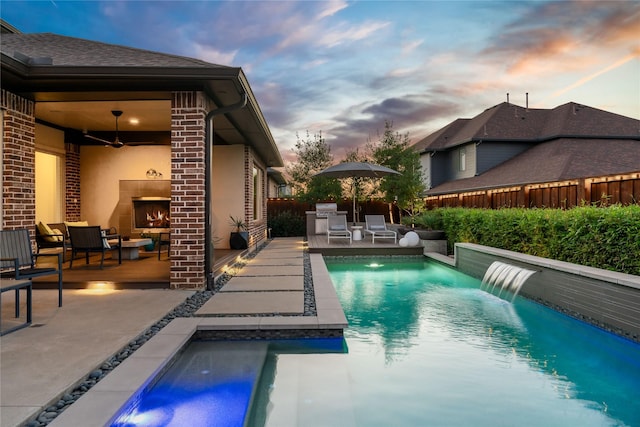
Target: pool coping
point(100, 404)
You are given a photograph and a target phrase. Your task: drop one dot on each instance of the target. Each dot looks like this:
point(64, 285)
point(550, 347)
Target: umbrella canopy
point(356, 170)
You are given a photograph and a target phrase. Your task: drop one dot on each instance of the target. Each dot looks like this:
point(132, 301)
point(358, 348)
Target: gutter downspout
point(208, 248)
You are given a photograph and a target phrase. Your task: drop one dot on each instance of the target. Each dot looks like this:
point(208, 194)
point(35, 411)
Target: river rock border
point(186, 309)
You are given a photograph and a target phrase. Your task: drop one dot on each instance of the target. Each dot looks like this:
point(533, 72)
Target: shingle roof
point(510, 122)
point(70, 51)
point(557, 160)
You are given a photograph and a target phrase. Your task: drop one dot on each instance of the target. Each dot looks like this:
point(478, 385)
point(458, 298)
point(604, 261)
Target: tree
point(313, 155)
point(393, 151)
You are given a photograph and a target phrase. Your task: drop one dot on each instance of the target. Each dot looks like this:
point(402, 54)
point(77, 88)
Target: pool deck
point(64, 344)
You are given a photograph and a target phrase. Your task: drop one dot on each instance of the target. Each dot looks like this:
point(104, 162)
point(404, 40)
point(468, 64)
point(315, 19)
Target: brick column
point(188, 187)
point(18, 162)
point(72, 182)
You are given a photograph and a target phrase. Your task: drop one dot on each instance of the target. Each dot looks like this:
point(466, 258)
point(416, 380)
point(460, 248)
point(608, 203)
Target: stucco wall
point(228, 190)
point(101, 170)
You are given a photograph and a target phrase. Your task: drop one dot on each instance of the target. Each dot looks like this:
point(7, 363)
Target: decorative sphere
point(412, 238)
point(403, 242)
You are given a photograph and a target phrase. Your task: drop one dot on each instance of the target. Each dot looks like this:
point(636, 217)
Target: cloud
point(213, 55)
point(332, 7)
point(409, 47)
point(590, 77)
point(563, 36)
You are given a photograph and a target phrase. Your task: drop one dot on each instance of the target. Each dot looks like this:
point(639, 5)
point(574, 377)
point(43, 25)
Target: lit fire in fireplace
point(151, 213)
point(158, 219)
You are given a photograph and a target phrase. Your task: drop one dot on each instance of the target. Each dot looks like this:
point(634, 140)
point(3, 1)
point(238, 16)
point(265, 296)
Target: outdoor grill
point(323, 210)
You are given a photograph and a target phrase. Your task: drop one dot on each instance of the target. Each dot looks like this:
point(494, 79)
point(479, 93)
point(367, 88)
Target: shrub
point(286, 224)
point(606, 237)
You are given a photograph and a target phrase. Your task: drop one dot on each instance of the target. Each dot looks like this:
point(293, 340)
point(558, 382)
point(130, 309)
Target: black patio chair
point(19, 262)
point(52, 240)
point(91, 239)
point(164, 239)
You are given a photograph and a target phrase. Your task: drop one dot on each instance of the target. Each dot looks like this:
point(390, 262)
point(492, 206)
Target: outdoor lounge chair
point(91, 239)
point(17, 260)
point(337, 228)
point(377, 227)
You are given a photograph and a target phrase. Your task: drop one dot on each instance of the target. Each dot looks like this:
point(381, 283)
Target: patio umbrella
point(356, 170)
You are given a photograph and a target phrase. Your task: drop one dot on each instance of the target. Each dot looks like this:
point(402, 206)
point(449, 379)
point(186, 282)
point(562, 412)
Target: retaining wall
point(604, 298)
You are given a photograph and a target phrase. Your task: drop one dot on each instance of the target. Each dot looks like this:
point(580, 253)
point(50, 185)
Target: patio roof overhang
point(127, 85)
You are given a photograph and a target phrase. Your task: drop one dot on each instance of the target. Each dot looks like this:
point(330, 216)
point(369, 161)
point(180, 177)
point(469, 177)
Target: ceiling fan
point(116, 142)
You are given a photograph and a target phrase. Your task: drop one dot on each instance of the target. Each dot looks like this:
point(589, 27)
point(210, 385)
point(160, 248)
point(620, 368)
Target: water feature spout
point(505, 277)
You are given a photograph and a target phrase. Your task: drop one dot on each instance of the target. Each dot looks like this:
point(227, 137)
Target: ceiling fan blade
point(137, 143)
point(116, 144)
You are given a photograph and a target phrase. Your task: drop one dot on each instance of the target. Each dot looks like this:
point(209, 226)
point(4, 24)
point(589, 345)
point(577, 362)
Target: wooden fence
point(607, 190)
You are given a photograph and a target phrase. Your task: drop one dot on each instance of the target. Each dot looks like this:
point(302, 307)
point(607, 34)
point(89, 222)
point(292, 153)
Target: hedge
point(287, 224)
point(602, 237)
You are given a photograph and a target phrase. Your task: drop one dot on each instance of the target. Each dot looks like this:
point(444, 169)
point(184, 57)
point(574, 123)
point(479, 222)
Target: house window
point(257, 193)
point(463, 159)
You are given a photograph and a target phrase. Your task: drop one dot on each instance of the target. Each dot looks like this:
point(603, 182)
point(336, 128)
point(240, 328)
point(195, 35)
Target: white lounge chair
point(337, 228)
point(377, 227)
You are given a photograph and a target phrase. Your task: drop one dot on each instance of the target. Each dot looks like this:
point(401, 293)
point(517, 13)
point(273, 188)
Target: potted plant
point(154, 239)
point(431, 221)
point(239, 239)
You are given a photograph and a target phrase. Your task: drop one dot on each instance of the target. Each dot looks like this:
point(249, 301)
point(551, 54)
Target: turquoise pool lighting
point(426, 346)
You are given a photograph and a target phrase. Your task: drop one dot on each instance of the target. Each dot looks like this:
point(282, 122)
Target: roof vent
point(43, 60)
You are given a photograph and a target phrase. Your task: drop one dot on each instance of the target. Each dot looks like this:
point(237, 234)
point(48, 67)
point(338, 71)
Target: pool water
point(425, 347)
point(428, 347)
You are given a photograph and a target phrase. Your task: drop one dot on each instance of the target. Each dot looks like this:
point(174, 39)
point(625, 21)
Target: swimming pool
point(426, 346)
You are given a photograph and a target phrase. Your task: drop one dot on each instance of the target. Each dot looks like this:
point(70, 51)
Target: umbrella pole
point(354, 204)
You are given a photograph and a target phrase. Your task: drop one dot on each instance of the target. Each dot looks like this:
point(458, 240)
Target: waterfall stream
point(502, 277)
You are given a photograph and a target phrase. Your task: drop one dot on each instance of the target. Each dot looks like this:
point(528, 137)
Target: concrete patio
point(63, 345)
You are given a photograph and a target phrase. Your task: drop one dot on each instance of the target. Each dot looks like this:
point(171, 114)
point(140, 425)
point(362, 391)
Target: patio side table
point(13, 284)
point(357, 232)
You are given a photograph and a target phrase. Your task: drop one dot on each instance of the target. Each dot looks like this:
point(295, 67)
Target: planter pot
point(239, 240)
point(431, 234)
point(150, 247)
point(424, 234)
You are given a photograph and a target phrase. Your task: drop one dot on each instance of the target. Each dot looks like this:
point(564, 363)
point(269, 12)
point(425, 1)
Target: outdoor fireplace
point(151, 214)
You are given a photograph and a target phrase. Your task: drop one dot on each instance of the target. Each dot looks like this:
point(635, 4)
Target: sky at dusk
point(345, 67)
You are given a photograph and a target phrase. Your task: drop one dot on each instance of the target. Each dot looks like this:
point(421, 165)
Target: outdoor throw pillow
point(105, 242)
point(76, 223)
point(47, 233)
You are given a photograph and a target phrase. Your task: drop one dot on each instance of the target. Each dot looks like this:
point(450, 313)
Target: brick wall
point(188, 112)
point(256, 228)
point(18, 162)
point(72, 182)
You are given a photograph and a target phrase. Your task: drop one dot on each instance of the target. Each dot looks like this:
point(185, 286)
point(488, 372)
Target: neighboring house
point(201, 145)
point(514, 150)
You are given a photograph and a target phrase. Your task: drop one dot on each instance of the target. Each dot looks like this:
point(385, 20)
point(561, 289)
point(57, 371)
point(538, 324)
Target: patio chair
point(164, 239)
point(19, 262)
point(377, 227)
point(91, 239)
point(48, 237)
point(337, 228)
